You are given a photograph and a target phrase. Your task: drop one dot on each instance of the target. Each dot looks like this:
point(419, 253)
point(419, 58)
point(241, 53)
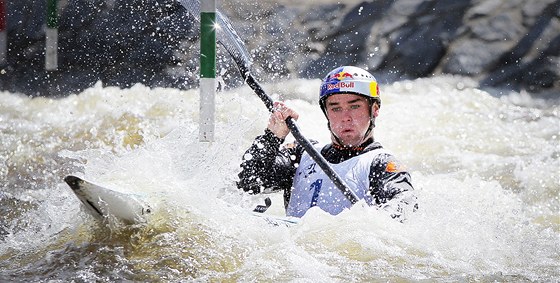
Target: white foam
point(485, 170)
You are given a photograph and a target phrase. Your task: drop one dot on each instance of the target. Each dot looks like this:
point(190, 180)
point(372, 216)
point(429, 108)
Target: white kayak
point(103, 202)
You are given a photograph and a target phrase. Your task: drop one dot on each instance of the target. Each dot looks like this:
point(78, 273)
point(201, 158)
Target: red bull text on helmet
point(349, 79)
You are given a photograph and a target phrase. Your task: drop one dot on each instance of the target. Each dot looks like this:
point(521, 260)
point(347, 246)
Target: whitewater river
point(485, 168)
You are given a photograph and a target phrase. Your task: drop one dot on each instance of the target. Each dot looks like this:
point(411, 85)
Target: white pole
point(51, 36)
point(207, 69)
point(51, 56)
point(207, 109)
point(3, 47)
point(3, 34)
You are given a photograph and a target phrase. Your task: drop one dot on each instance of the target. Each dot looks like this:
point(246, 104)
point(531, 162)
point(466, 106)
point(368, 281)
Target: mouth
point(347, 131)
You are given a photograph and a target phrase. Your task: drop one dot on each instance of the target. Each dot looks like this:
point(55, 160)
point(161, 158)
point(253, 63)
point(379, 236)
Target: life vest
point(312, 187)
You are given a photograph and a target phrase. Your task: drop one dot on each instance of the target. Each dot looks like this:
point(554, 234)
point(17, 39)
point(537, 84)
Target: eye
point(355, 106)
point(336, 109)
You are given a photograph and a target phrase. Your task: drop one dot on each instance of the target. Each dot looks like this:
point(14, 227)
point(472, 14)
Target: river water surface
point(485, 168)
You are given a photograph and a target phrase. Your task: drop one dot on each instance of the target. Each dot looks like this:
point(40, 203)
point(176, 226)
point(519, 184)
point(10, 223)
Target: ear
point(375, 109)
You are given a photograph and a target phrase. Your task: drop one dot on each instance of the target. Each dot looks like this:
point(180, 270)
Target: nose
point(346, 115)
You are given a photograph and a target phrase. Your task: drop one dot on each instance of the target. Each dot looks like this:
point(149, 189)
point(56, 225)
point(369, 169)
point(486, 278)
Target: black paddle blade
point(263, 208)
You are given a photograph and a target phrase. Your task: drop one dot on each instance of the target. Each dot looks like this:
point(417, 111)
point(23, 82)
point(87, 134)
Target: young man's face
point(349, 117)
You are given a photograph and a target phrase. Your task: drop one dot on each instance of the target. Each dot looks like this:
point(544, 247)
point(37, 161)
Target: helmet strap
point(371, 118)
point(371, 126)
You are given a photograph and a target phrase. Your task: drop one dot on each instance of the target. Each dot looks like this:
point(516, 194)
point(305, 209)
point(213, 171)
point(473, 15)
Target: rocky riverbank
point(511, 44)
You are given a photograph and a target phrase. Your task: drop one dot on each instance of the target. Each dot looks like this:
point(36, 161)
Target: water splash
point(484, 167)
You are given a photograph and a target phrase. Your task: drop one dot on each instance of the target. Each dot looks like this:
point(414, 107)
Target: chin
point(349, 140)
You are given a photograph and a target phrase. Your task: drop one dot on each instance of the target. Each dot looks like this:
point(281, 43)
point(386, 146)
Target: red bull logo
point(341, 76)
point(336, 81)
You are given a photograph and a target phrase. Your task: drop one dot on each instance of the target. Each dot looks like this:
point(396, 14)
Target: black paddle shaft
point(303, 141)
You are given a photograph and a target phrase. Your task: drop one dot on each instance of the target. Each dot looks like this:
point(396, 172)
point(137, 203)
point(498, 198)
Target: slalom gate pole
point(207, 69)
point(51, 36)
point(3, 33)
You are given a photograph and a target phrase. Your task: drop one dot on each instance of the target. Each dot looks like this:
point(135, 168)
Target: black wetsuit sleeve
point(391, 187)
point(266, 167)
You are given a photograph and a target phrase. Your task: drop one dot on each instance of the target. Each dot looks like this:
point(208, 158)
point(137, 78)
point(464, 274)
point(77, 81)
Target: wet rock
point(505, 44)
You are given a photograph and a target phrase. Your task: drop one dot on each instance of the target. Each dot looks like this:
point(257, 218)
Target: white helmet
point(349, 79)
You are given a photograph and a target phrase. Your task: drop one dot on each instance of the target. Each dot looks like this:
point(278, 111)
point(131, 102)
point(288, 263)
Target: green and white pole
point(51, 39)
point(207, 69)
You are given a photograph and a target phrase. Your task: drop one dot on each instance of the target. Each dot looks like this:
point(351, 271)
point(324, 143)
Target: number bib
point(312, 187)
